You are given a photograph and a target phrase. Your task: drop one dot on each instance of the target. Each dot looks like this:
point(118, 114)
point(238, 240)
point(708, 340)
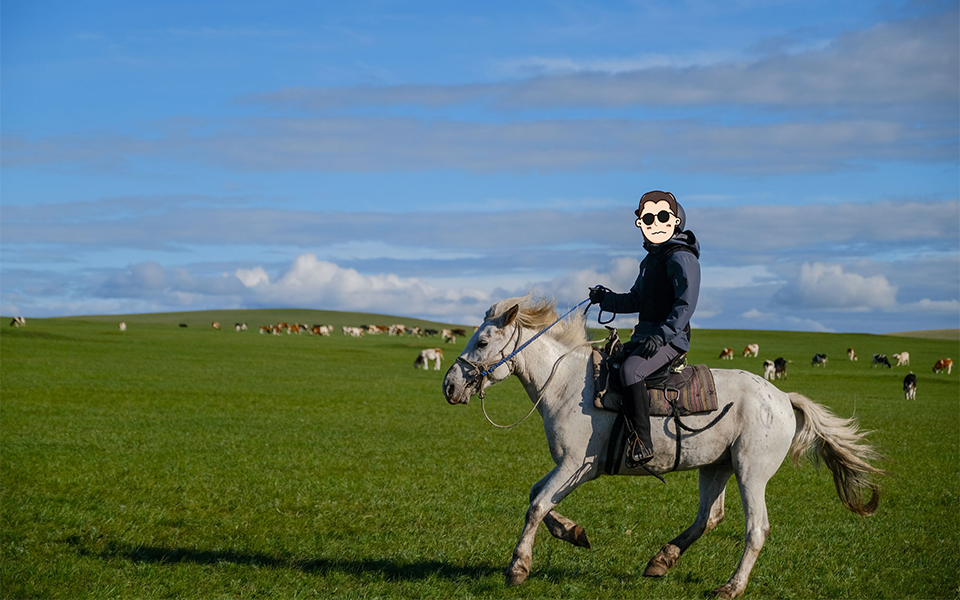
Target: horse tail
point(825, 437)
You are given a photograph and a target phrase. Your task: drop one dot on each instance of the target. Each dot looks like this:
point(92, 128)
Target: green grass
point(165, 462)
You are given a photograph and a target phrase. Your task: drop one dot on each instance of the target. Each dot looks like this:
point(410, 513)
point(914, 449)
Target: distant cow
point(397, 329)
point(880, 359)
point(768, 370)
point(910, 387)
point(944, 364)
point(216, 325)
point(726, 354)
point(851, 354)
point(415, 331)
point(241, 326)
point(265, 329)
point(18, 322)
point(459, 331)
point(903, 359)
point(353, 331)
point(448, 336)
point(183, 325)
point(751, 350)
point(123, 326)
point(434, 354)
point(780, 367)
point(819, 360)
point(430, 332)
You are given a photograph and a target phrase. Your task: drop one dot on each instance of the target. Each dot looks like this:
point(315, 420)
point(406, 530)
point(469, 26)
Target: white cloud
point(824, 286)
point(927, 305)
point(753, 313)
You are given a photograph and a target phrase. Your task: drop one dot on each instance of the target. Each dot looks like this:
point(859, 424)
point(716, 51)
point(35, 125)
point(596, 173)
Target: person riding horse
point(665, 296)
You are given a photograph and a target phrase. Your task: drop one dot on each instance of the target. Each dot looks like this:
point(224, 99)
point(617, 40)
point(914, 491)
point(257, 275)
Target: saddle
point(675, 389)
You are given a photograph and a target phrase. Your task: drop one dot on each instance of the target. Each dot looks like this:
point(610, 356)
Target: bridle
point(477, 372)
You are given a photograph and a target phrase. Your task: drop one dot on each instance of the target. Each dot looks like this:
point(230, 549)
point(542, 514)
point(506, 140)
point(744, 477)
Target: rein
point(480, 372)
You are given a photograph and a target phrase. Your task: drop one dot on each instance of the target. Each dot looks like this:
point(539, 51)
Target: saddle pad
point(693, 391)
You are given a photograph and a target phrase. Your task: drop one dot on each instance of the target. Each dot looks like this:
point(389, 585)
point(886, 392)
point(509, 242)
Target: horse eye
point(481, 344)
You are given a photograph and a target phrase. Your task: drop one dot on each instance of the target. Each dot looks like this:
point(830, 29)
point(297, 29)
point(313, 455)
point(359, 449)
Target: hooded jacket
point(665, 293)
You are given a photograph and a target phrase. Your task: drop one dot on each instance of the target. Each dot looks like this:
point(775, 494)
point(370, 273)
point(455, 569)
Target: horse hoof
point(663, 561)
point(726, 592)
point(580, 537)
point(515, 577)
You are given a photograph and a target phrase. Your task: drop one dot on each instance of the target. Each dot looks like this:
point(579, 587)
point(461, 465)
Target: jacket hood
point(683, 238)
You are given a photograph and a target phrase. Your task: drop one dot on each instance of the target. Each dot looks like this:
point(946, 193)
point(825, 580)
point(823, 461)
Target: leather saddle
point(675, 388)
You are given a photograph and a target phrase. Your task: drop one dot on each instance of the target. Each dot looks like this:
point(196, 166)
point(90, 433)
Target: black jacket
point(665, 293)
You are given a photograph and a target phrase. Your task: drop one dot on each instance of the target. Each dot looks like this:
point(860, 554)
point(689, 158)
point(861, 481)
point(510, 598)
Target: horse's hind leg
point(713, 485)
point(558, 525)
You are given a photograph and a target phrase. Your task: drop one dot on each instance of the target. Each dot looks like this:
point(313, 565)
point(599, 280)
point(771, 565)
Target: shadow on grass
point(386, 568)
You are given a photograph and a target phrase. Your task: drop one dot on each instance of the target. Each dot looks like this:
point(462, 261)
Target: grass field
point(169, 462)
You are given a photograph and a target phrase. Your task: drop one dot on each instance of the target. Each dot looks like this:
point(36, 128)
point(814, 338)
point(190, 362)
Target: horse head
point(471, 372)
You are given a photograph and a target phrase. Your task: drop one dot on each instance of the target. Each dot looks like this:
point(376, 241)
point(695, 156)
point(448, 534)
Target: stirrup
point(637, 453)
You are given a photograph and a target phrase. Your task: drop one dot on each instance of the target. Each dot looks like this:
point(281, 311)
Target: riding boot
point(636, 411)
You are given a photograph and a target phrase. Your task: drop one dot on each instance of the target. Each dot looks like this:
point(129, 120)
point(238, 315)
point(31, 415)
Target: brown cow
point(944, 364)
point(726, 354)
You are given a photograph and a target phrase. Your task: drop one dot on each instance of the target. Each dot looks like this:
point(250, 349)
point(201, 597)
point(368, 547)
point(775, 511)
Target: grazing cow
point(910, 387)
point(944, 364)
point(183, 324)
point(276, 329)
point(726, 354)
point(448, 336)
point(880, 359)
point(819, 360)
point(123, 326)
point(216, 326)
point(903, 359)
point(18, 322)
point(430, 332)
point(264, 329)
point(241, 326)
point(416, 331)
point(397, 329)
point(353, 331)
point(752, 350)
point(434, 354)
point(851, 354)
point(780, 367)
point(293, 328)
point(459, 331)
point(768, 370)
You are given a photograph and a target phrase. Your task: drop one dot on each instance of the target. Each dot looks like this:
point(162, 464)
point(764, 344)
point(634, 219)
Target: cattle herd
point(772, 369)
point(777, 369)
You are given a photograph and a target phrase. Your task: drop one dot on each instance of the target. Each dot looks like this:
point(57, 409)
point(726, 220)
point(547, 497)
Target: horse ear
point(509, 317)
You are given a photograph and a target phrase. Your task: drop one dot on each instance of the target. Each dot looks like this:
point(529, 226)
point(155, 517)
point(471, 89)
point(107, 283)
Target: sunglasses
point(663, 216)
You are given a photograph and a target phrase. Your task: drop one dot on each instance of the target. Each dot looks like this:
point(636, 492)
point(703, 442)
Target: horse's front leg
point(558, 525)
point(555, 487)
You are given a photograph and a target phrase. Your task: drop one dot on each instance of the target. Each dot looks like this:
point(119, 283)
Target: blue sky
point(426, 159)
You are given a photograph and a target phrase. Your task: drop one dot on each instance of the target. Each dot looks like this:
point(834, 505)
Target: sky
point(427, 159)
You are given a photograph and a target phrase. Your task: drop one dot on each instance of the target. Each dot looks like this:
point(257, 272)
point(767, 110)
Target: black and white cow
point(910, 387)
point(780, 367)
point(881, 359)
point(819, 360)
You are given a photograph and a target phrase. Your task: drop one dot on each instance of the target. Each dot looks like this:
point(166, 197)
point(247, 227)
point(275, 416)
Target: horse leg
point(553, 488)
point(558, 525)
point(713, 485)
point(753, 487)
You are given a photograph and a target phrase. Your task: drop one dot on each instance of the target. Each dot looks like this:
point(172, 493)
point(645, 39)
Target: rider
point(665, 294)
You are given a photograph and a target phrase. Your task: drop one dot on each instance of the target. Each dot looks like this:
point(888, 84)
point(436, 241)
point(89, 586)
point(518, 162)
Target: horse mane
point(537, 313)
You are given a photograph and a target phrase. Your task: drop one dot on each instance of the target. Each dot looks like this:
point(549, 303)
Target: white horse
point(750, 442)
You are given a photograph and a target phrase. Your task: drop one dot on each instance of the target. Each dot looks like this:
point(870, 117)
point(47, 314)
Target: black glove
point(649, 346)
point(597, 294)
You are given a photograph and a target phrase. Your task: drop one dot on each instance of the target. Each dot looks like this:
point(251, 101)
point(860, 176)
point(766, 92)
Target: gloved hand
point(649, 346)
point(597, 294)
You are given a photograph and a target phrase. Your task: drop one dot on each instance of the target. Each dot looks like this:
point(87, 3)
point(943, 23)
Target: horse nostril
point(449, 390)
